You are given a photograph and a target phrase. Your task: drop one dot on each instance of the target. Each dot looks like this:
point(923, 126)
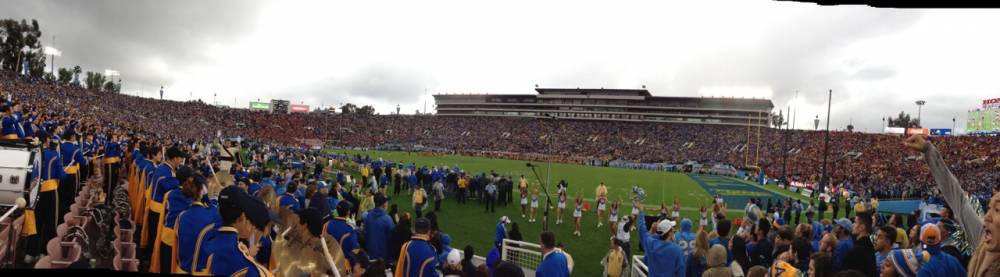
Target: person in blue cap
point(417, 257)
point(227, 255)
point(196, 225)
point(111, 165)
point(842, 232)
point(319, 199)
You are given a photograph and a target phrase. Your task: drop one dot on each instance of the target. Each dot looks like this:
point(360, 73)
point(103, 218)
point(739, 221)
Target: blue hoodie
point(664, 258)
point(378, 230)
point(500, 234)
point(685, 238)
point(941, 264)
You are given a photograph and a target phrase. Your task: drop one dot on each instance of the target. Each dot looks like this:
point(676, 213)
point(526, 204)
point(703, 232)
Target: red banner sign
point(295, 108)
point(991, 103)
point(916, 131)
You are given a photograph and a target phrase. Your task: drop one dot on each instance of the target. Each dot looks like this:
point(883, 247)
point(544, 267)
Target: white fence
point(639, 268)
point(524, 254)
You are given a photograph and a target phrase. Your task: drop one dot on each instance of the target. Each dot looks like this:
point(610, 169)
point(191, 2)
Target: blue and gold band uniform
point(346, 235)
point(229, 257)
point(45, 210)
point(111, 165)
point(11, 128)
point(195, 227)
point(175, 203)
point(72, 158)
point(163, 181)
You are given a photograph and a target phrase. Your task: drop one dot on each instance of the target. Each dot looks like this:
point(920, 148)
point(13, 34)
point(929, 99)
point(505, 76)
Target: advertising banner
point(296, 108)
point(260, 106)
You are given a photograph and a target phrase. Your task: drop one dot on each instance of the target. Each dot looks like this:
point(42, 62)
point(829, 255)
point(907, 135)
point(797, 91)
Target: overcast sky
point(384, 53)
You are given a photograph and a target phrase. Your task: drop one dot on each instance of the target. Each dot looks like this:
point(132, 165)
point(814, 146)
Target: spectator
point(554, 263)
point(717, 263)
point(861, 256)
point(762, 247)
point(697, 260)
point(738, 248)
point(903, 263)
point(401, 234)
point(663, 256)
point(885, 238)
point(378, 228)
point(821, 265)
point(940, 263)
point(468, 268)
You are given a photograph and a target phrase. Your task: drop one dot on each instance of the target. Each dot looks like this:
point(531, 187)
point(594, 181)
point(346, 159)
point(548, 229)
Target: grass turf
point(468, 224)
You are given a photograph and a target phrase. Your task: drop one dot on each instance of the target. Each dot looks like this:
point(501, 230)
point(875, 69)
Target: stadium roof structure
point(637, 105)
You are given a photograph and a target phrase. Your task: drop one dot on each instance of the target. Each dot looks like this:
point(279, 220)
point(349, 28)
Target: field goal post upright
point(756, 148)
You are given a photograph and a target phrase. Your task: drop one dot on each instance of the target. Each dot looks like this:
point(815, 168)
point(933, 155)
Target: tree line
point(21, 50)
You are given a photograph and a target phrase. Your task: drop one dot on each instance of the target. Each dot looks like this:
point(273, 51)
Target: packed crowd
point(162, 151)
point(858, 161)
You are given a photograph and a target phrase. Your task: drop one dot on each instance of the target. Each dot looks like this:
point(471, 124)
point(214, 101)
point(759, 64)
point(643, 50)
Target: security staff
point(164, 180)
point(73, 158)
point(196, 225)
point(47, 206)
point(227, 255)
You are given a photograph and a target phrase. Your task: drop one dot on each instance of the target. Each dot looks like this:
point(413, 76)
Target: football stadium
point(146, 176)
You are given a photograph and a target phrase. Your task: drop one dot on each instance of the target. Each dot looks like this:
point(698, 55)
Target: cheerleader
point(561, 205)
point(676, 213)
point(577, 214)
point(524, 202)
point(534, 204)
point(704, 217)
point(613, 216)
point(602, 202)
point(663, 211)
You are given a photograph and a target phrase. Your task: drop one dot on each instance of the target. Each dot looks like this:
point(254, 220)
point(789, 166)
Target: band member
point(175, 203)
point(165, 180)
point(10, 122)
point(229, 256)
point(149, 217)
point(73, 158)
point(47, 206)
point(111, 165)
point(195, 226)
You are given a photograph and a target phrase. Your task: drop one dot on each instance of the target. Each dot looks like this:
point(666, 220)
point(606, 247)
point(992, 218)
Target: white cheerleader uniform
point(524, 200)
point(614, 215)
point(704, 219)
point(601, 204)
point(635, 211)
point(562, 202)
point(579, 211)
point(534, 201)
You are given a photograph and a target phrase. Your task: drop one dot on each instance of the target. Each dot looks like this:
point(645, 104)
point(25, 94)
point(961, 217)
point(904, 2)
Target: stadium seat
point(44, 263)
point(72, 254)
point(125, 249)
point(125, 264)
point(54, 248)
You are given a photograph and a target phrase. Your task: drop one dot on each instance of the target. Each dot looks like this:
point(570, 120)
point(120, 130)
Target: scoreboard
point(279, 106)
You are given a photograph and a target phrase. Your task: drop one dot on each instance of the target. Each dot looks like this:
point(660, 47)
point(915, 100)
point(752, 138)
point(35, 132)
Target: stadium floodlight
point(49, 50)
point(920, 105)
point(109, 72)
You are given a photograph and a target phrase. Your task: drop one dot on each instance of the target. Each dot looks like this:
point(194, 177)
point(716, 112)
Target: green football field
point(468, 224)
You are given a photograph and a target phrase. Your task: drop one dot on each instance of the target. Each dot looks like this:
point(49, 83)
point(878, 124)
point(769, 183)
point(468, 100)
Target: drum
point(17, 158)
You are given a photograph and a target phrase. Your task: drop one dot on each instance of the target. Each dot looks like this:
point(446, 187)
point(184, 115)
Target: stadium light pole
point(920, 105)
point(826, 143)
